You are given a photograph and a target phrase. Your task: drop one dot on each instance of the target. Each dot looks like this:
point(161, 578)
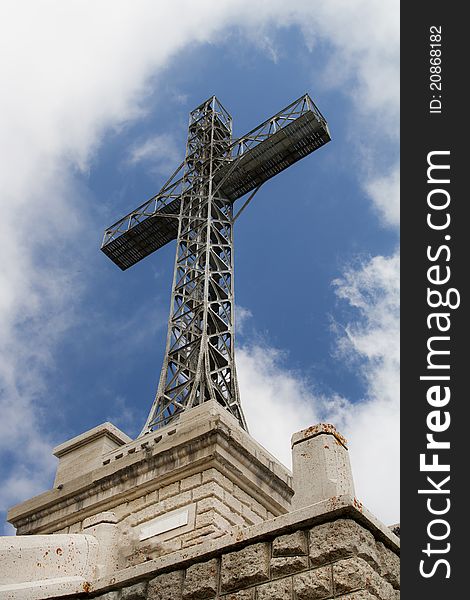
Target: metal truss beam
point(196, 206)
point(249, 161)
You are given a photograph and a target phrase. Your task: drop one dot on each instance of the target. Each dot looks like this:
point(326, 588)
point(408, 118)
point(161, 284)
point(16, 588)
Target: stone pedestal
point(189, 482)
point(84, 453)
point(321, 467)
point(199, 510)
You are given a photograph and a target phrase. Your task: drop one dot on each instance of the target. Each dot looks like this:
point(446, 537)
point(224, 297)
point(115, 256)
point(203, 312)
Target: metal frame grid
point(196, 207)
point(199, 361)
point(166, 203)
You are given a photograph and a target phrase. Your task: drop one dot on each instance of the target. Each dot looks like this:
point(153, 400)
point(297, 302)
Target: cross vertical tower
point(199, 361)
point(195, 206)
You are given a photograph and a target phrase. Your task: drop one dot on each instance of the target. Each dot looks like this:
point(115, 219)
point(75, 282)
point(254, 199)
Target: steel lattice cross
point(196, 206)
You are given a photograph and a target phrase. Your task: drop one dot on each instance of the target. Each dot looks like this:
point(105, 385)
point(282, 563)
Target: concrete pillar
point(320, 465)
point(105, 529)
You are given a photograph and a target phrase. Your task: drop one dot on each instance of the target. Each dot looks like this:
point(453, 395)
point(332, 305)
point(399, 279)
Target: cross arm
point(148, 227)
point(280, 141)
point(277, 143)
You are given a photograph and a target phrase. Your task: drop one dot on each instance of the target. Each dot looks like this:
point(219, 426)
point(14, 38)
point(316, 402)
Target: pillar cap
point(100, 431)
point(318, 429)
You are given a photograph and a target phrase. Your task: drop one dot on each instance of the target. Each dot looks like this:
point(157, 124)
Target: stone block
point(339, 539)
point(235, 505)
point(291, 544)
point(355, 574)
point(320, 466)
point(109, 596)
point(169, 490)
point(215, 475)
point(251, 517)
point(389, 565)
point(313, 585)
point(196, 537)
point(201, 581)
point(286, 565)
point(137, 591)
point(245, 567)
point(275, 590)
point(212, 518)
point(211, 504)
point(360, 595)
point(242, 496)
point(84, 453)
point(168, 586)
point(257, 508)
point(242, 595)
point(211, 488)
point(188, 483)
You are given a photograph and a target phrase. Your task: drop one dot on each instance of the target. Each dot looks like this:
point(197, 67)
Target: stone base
point(200, 511)
point(333, 549)
point(187, 483)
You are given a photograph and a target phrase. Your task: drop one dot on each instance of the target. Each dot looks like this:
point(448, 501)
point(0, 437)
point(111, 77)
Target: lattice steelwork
point(196, 207)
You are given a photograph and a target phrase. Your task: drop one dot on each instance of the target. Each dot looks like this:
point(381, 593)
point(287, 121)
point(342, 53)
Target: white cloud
point(370, 343)
point(385, 192)
point(373, 426)
point(75, 70)
point(276, 401)
point(242, 316)
point(160, 153)
point(125, 416)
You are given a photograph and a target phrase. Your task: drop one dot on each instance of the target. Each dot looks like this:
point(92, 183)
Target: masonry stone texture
point(201, 511)
point(359, 570)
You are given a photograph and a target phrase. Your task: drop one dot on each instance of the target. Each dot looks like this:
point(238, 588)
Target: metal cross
point(196, 207)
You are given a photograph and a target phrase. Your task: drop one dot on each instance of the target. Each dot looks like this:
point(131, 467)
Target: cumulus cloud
point(159, 153)
point(77, 70)
point(370, 344)
point(385, 192)
point(242, 316)
point(372, 341)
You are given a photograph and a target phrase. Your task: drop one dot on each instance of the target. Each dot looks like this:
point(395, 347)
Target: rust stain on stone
point(325, 428)
point(358, 504)
point(87, 587)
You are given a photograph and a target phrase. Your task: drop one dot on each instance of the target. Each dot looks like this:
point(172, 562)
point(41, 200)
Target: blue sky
point(316, 264)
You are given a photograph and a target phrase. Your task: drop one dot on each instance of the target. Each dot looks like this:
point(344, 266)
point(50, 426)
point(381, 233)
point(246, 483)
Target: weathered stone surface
point(242, 595)
point(285, 565)
point(291, 544)
point(354, 574)
point(313, 585)
point(201, 581)
point(109, 596)
point(211, 488)
point(320, 455)
point(126, 478)
point(135, 592)
point(342, 538)
point(389, 565)
point(166, 587)
point(211, 504)
point(360, 595)
point(275, 590)
point(191, 482)
point(245, 567)
point(213, 519)
point(250, 516)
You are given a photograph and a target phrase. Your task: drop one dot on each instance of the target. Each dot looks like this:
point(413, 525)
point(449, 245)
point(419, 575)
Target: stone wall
point(193, 481)
point(336, 559)
point(215, 505)
point(201, 511)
